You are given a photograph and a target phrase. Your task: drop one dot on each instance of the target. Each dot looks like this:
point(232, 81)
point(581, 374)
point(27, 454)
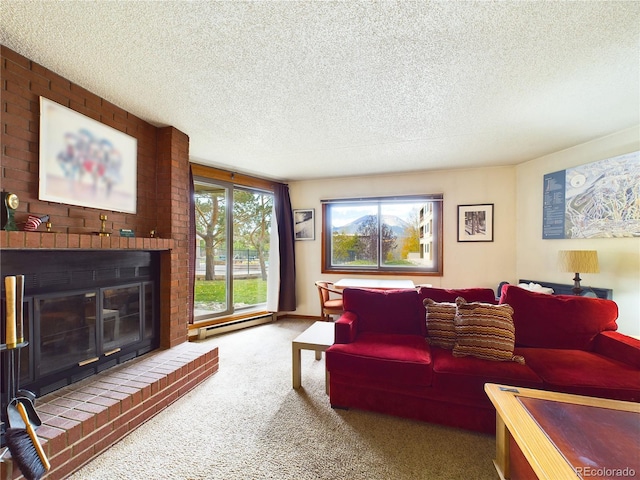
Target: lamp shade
point(578, 261)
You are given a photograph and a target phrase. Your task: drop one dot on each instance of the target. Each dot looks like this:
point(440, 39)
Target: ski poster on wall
point(596, 200)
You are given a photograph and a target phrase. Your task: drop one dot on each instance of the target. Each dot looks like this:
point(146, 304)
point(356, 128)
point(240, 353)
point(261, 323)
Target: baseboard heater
point(211, 330)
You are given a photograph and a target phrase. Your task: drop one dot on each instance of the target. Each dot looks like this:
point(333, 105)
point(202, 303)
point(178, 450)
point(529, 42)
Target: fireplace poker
point(14, 287)
point(10, 338)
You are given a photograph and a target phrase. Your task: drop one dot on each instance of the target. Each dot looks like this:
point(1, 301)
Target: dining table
point(375, 284)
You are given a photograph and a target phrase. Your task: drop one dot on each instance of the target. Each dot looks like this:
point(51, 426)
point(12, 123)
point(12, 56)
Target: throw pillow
point(441, 331)
point(485, 331)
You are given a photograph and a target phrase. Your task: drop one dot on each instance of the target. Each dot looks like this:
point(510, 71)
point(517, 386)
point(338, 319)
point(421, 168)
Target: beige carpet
point(246, 422)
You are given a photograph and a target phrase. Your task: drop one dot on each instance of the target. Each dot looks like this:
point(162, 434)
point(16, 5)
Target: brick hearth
point(84, 419)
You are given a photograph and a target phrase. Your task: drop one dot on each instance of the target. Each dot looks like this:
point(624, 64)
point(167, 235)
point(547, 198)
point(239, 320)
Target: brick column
point(173, 222)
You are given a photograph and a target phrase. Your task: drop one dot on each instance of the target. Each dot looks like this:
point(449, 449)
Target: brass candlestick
point(103, 228)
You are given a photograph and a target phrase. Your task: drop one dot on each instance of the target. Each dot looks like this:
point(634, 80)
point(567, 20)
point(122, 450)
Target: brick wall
point(175, 300)
point(162, 204)
point(162, 183)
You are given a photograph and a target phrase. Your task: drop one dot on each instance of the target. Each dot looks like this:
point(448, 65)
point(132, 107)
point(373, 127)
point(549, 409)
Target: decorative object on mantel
point(10, 203)
point(126, 232)
point(585, 261)
point(152, 233)
point(33, 222)
point(48, 225)
point(103, 228)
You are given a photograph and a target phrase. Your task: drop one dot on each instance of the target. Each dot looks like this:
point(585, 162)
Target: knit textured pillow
point(485, 331)
point(441, 331)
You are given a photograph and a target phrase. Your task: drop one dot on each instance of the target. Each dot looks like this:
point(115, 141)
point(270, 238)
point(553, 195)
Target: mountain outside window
point(399, 235)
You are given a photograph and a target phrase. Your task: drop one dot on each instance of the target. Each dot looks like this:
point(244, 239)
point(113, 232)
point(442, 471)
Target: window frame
point(232, 181)
point(437, 270)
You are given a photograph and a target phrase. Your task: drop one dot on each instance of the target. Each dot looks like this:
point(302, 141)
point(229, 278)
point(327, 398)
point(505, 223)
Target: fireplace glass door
point(85, 312)
point(148, 326)
point(121, 314)
point(67, 331)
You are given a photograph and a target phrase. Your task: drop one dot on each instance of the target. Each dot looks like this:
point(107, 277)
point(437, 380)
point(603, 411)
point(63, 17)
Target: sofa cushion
point(558, 321)
point(386, 311)
point(477, 294)
point(484, 331)
point(584, 373)
point(441, 330)
point(383, 358)
point(466, 376)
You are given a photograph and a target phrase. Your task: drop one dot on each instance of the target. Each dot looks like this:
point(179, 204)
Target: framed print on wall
point(304, 226)
point(475, 223)
point(593, 200)
point(84, 162)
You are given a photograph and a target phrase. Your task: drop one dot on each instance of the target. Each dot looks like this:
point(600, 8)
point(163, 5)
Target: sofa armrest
point(346, 328)
point(619, 347)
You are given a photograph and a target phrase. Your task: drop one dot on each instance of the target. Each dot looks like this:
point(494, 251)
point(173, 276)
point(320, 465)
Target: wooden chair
point(329, 306)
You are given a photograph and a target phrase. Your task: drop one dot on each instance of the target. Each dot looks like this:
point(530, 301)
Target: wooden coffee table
point(551, 435)
point(318, 337)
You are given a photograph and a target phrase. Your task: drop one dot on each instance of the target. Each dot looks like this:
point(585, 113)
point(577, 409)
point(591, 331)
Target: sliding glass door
point(232, 247)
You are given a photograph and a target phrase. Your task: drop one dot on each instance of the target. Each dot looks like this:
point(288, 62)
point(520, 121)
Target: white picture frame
point(84, 162)
point(304, 227)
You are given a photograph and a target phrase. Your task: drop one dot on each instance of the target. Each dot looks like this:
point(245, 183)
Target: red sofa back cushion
point(477, 294)
point(558, 321)
point(386, 311)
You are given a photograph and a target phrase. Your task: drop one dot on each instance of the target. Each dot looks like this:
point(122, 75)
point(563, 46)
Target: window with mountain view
point(391, 235)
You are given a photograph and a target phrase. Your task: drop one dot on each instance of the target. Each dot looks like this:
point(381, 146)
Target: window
point(232, 247)
point(400, 235)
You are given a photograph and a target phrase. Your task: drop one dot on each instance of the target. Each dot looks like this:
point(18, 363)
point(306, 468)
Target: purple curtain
point(284, 220)
point(192, 244)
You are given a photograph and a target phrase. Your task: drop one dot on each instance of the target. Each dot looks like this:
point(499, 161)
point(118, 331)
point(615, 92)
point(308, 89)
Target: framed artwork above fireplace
point(84, 162)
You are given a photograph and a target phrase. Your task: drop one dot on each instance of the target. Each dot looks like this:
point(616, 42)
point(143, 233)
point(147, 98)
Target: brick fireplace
point(162, 206)
point(162, 186)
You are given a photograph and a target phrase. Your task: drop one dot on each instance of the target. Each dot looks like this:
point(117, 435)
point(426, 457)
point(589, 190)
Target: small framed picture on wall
point(475, 223)
point(304, 227)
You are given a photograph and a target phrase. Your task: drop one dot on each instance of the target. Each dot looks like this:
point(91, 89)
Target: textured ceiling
point(300, 90)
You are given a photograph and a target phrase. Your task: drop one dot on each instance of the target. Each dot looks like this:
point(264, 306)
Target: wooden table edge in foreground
point(513, 420)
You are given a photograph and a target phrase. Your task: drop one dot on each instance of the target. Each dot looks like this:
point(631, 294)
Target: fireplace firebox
point(85, 311)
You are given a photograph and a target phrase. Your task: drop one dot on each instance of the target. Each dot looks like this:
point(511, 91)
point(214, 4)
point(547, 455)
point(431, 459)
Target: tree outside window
point(233, 232)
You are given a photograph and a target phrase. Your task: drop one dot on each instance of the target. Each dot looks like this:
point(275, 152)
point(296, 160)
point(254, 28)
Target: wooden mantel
point(52, 240)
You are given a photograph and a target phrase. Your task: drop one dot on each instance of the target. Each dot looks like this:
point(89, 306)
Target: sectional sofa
point(426, 354)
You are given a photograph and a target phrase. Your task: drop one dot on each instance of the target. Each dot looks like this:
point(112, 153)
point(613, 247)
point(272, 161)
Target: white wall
point(518, 250)
point(619, 258)
point(465, 264)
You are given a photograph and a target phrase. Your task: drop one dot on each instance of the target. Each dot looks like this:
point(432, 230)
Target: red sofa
point(384, 360)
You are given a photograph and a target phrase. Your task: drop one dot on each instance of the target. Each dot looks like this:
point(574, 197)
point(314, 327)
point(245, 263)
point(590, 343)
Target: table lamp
point(576, 261)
